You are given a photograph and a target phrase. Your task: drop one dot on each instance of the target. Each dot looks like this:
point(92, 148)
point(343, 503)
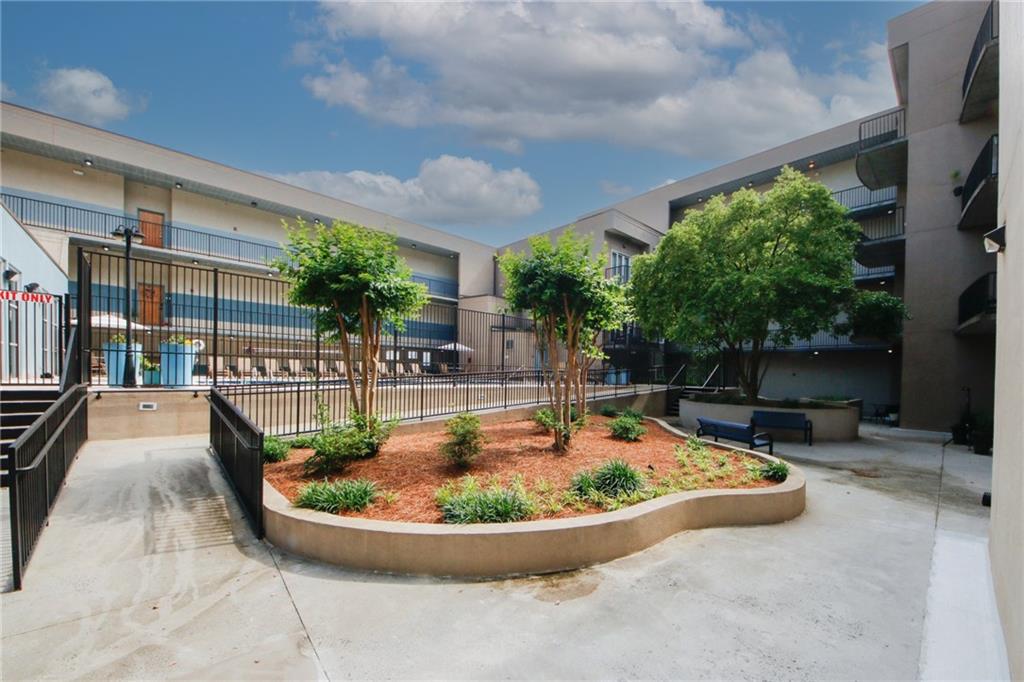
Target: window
point(620, 266)
point(426, 358)
point(412, 354)
point(389, 354)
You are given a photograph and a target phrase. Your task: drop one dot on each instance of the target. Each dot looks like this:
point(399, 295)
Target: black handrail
point(238, 444)
point(978, 299)
point(882, 129)
point(860, 198)
point(986, 166)
point(887, 226)
point(39, 462)
point(987, 32)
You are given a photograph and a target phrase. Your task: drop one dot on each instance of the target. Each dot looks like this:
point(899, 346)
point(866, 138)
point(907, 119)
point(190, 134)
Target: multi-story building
point(920, 180)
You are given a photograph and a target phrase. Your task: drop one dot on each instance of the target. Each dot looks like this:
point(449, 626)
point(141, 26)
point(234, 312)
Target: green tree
point(750, 272)
point(571, 302)
point(357, 285)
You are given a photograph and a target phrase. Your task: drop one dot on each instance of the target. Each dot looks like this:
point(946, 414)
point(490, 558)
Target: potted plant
point(177, 356)
point(114, 351)
point(150, 372)
point(981, 435)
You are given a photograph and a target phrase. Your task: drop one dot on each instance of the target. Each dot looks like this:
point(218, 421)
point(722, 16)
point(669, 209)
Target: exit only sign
point(26, 297)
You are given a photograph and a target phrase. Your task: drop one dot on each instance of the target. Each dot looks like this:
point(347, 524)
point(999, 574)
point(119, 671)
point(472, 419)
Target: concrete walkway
point(148, 571)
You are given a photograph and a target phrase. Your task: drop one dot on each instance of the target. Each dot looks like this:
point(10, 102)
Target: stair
point(672, 396)
point(19, 409)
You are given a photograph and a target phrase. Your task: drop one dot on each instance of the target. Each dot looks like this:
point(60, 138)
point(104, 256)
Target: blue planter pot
point(151, 377)
point(113, 357)
point(176, 361)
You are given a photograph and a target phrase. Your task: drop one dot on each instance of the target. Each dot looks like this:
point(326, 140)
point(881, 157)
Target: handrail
point(238, 413)
point(57, 432)
point(42, 418)
point(987, 32)
point(984, 167)
point(710, 376)
point(72, 362)
point(682, 368)
point(881, 129)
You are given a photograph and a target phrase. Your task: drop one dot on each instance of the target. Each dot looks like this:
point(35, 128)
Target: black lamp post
point(129, 234)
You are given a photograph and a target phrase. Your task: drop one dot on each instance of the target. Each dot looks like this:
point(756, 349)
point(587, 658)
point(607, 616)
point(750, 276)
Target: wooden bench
point(743, 433)
point(795, 421)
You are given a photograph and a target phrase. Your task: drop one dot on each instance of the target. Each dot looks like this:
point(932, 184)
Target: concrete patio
point(148, 570)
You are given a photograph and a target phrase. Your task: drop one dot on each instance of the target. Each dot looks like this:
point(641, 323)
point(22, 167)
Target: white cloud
point(685, 77)
point(7, 92)
point(447, 190)
point(86, 94)
point(615, 189)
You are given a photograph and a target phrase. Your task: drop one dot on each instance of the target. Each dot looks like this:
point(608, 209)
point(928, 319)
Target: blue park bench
point(796, 421)
point(743, 433)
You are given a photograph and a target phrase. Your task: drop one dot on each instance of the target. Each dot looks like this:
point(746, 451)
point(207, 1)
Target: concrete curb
point(527, 547)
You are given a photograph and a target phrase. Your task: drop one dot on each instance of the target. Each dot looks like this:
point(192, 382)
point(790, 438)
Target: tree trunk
point(346, 351)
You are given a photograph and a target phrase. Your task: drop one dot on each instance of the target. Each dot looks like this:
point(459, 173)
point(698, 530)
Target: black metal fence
point(978, 299)
point(988, 31)
point(286, 409)
point(32, 331)
point(985, 166)
point(238, 445)
point(40, 460)
point(861, 198)
point(882, 129)
point(193, 325)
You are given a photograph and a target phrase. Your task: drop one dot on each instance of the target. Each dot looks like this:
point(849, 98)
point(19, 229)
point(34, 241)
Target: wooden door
point(152, 226)
point(151, 304)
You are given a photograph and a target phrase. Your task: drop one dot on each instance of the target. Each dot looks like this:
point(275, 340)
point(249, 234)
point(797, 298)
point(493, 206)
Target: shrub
point(583, 483)
point(627, 428)
point(467, 502)
point(609, 410)
point(633, 414)
point(615, 477)
point(465, 439)
point(334, 448)
point(306, 440)
point(777, 471)
point(375, 430)
point(545, 417)
point(333, 497)
point(274, 449)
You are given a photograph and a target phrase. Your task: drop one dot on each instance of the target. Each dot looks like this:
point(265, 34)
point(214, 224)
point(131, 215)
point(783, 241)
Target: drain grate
point(197, 523)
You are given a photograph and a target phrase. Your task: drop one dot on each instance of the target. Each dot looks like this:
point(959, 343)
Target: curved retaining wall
point(830, 423)
point(528, 547)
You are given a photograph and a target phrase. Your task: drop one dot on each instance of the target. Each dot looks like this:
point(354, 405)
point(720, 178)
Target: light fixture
point(882, 282)
point(253, 204)
point(11, 275)
point(106, 248)
point(31, 286)
point(87, 162)
point(700, 199)
point(750, 184)
point(177, 185)
point(889, 351)
point(270, 274)
point(890, 212)
point(195, 262)
point(995, 241)
point(316, 221)
point(811, 164)
point(815, 352)
point(78, 171)
point(412, 245)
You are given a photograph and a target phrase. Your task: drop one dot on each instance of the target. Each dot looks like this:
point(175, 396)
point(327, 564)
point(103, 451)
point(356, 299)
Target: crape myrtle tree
point(357, 286)
point(745, 274)
point(571, 303)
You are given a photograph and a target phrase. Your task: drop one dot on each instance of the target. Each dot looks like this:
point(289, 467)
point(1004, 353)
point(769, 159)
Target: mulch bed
point(412, 466)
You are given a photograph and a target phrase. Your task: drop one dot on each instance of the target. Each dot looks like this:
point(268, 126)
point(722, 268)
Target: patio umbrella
point(455, 346)
point(111, 321)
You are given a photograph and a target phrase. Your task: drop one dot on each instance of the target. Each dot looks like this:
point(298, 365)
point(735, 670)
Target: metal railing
point(986, 166)
point(864, 272)
point(978, 299)
point(619, 271)
point(881, 129)
point(288, 409)
point(861, 198)
point(32, 332)
point(40, 460)
point(39, 213)
point(437, 286)
point(238, 444)
point(988, 31)
point(881, 227)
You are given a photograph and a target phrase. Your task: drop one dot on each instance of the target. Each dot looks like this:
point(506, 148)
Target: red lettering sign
point(26, 297)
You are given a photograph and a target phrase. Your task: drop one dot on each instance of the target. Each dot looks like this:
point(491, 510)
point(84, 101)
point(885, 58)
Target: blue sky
point(491, 120)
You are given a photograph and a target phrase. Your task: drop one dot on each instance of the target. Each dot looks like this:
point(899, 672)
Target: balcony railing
point(620, 271)
point(978, 299)
point(988, 31)
point(39, 213)
point(864, 272)
point(886, 226)
point(985, 167)
point(861, 198)
point(881, 129)
point(438, 287)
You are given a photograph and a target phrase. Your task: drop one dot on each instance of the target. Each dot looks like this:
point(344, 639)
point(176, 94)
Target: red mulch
point(413, 467)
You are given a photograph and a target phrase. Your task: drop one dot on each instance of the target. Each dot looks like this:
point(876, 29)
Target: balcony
point(882, 239)
point(862, 273)
point(619, 271)
point(75, 220)
point(981, 78)
point(863, 201)
point(882, 150)
point(979, 197)
point(977, 307)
